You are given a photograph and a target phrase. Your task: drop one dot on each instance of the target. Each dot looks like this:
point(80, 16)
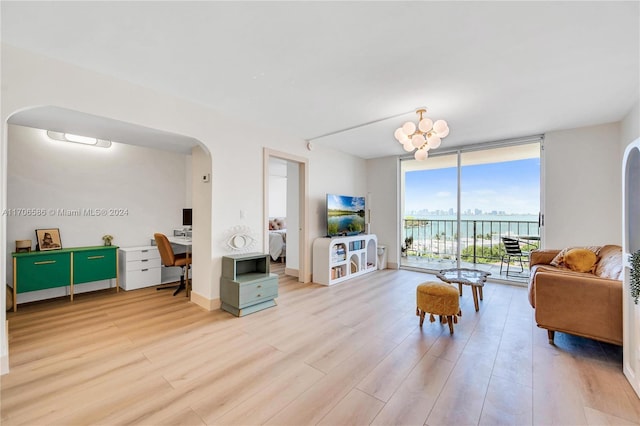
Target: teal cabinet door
point(41, 271)
point(94, 265)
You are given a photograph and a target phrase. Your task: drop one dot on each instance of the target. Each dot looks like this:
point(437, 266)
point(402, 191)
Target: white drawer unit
point(139, 267)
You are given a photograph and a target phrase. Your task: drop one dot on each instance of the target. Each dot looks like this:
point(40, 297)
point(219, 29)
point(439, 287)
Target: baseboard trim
point(4, 365)
point(4, 359)
point(292, 272)
point(392, 265)
point(208, 304)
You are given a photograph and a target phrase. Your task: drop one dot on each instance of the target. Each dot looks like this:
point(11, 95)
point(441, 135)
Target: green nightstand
point(246, 285)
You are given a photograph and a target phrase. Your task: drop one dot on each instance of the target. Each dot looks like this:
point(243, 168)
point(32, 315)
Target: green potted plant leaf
point(408, 242)
point(634, 282)
point(107, 239)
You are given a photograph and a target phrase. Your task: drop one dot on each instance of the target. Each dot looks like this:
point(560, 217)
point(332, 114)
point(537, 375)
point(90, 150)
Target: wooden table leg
point(480, 290)
point(474, 290)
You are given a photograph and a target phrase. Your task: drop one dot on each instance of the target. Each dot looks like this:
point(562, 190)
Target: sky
point(345, 202)
point(511, 186)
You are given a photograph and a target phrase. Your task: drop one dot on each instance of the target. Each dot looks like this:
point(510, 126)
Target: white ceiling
point(493, 70)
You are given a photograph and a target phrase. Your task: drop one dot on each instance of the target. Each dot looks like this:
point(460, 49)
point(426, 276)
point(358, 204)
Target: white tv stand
point(341, 258)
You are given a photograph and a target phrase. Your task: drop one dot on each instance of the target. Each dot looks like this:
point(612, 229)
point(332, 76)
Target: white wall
point(582, 187)
point(203, 243)
point(630, 128)
point(332, 174)
point(383, 204)
point(146, 188)
point(30, 80)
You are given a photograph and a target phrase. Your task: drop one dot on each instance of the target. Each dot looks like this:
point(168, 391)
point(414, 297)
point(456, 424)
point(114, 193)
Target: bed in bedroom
point(278, 239)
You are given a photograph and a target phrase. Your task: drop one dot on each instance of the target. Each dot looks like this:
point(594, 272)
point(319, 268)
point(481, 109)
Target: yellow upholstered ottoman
point(438, 298)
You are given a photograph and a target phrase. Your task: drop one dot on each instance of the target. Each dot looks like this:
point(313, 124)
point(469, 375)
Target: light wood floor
point(351, 354)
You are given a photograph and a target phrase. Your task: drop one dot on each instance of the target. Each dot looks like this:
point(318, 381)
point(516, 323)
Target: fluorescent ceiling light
point(84, 140)
point(80, 139)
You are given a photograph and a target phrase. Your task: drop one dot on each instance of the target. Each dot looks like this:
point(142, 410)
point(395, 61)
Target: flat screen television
point(186, 217)
point(345, 215)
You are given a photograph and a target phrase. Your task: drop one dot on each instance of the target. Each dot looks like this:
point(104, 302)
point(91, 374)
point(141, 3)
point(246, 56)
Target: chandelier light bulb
point(425, 125)
point(440, 126)
point(408, 146)
point(398, 134)
point(433, 141)
point(408, 128)
point(443, 134)
point(418, 140)
point(421, 154)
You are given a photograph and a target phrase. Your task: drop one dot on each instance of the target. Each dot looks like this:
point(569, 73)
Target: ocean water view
point(438, 234)
point(501, 225)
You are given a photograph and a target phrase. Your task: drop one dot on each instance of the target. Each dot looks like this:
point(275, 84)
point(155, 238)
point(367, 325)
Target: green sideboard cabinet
point(41, 270)
point(246, 285)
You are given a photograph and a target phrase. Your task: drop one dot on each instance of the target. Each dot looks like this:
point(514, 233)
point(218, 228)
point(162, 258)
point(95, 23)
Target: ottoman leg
point(450, 324)
point(421, 318)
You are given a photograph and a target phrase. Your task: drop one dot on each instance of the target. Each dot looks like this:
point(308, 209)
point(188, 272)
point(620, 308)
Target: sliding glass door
point(457, 208)
point(430, 212)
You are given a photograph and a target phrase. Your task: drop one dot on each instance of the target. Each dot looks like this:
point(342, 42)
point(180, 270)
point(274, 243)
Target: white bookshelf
point(341, 258)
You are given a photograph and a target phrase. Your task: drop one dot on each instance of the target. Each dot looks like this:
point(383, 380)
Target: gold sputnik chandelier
point(423, 137)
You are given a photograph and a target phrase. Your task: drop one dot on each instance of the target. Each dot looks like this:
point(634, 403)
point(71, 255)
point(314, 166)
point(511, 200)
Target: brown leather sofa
point(587, 304)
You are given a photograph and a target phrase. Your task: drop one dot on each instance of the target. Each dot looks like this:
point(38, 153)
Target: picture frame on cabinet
point(48, 239)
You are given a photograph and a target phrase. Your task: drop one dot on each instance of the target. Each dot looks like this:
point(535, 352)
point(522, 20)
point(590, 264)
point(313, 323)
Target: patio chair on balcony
point(512, 250)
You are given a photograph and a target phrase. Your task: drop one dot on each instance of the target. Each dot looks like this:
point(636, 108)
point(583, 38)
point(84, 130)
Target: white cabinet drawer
point(143, 254)
point(137, 265)
point(141, 278)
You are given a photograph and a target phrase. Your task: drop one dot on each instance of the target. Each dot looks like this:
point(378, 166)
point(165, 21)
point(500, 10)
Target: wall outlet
point(206, 178)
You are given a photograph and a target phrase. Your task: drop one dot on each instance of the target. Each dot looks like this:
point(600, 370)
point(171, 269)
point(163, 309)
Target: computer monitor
point(186, 217)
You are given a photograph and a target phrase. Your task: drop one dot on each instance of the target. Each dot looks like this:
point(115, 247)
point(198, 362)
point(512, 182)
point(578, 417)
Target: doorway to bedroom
point(285, 214)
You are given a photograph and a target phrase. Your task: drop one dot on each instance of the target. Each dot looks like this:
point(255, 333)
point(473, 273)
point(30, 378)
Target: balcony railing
point(480, 240)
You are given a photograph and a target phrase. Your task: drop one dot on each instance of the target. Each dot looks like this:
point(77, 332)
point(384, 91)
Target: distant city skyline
point(511, 187)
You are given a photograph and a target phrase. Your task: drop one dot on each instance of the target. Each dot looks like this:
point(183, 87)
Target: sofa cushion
point(610, 263)
point(580, 260)
point(559, 259)
point(557, 270)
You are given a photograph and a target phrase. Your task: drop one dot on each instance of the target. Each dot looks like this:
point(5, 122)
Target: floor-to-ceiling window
point(457, 208)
